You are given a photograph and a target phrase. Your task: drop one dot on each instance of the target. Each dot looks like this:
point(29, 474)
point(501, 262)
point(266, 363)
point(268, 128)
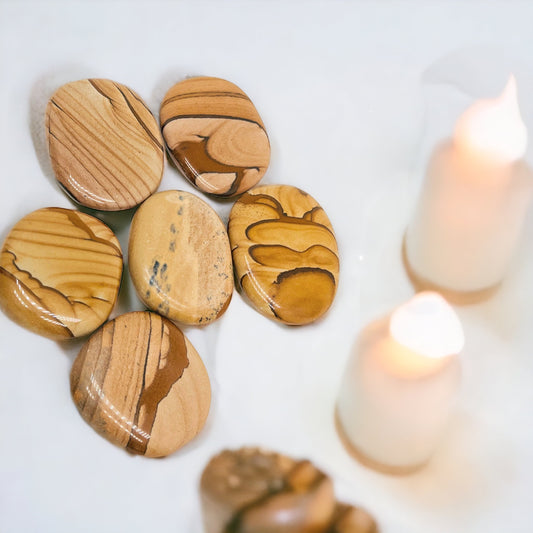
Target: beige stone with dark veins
point(105, 145)
point(215, 135)
point(285, 253)
point(140, 384)
point(180, 258)
point(60, 272)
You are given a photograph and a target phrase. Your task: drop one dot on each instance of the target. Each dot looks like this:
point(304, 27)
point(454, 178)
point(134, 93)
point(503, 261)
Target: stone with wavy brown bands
point(140, 384)
point(284, 253)
point(60, 272)
point(215, 135)
point(105, 145)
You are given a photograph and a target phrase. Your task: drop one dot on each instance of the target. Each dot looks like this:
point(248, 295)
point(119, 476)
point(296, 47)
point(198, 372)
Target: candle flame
point(427, 325)
point(494, 126)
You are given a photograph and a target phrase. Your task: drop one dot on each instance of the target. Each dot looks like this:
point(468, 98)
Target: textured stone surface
point(252, 490)
point(215, 135)
point(256, 491)
point(285, 253)
point(180, 259)
point(139, 383)
point(60, 272)
point(104, 143)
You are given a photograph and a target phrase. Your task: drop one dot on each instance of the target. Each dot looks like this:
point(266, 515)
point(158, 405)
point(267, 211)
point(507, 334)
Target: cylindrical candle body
point(394, 404)
point(467, 222)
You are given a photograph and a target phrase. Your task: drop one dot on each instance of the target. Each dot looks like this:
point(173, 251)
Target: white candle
point(470, 212)
point(400, 383)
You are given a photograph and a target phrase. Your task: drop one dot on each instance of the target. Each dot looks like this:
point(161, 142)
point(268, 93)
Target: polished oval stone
point(105, 145)
point(285, 253)
point(60, 272)
point(215, 135)
point(180, 259)
point(140, 384)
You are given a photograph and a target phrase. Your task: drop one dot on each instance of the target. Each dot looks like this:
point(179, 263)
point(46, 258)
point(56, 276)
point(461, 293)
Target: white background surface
point(338, 87)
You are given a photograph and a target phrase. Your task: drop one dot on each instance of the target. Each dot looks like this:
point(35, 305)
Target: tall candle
point(471, 209)
point(400, 383)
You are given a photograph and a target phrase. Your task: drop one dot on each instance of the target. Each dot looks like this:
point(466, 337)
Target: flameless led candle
point(400, 383)
point(470, 212)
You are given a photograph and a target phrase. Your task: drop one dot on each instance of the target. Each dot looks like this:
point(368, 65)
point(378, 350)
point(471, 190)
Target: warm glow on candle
point(400, 384)
point(427, 325)
point(494, 127)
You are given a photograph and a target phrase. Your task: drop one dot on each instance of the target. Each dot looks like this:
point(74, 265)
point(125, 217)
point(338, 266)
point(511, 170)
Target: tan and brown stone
point(350, 519)
point(285, 253)
point(180, 259)
point(105, 145)
point(252, 490)
point(60, 273)
point(215, 135)
point(140, 384)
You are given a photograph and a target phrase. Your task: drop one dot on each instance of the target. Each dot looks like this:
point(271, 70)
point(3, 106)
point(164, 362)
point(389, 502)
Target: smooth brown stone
point(252, 491)
point(349, 519)
point(285, 253)
point(60, 272)
point(215, 135)
point(180, 259)
point(105, 145)
point(140, 384)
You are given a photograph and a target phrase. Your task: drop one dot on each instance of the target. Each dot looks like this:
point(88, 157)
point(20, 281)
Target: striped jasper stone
point(140, 384)
point(60, 272)
point(105, 145)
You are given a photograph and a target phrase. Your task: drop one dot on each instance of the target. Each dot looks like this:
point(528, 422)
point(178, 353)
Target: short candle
point(472, 205)
point(400, 383)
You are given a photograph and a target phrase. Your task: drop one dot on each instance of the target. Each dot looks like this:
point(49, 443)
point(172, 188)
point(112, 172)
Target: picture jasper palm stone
point(285, 253)
point(180, 258)
point(256, 491)
point(215, 135)
point(140, 384)
point(60, 273)
point(105, 145)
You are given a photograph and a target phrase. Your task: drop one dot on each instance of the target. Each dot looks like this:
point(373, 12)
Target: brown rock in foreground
point(255, 491)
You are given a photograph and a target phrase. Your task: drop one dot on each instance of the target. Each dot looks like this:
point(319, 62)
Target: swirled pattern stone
point(215, 135)
point(284, 253)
